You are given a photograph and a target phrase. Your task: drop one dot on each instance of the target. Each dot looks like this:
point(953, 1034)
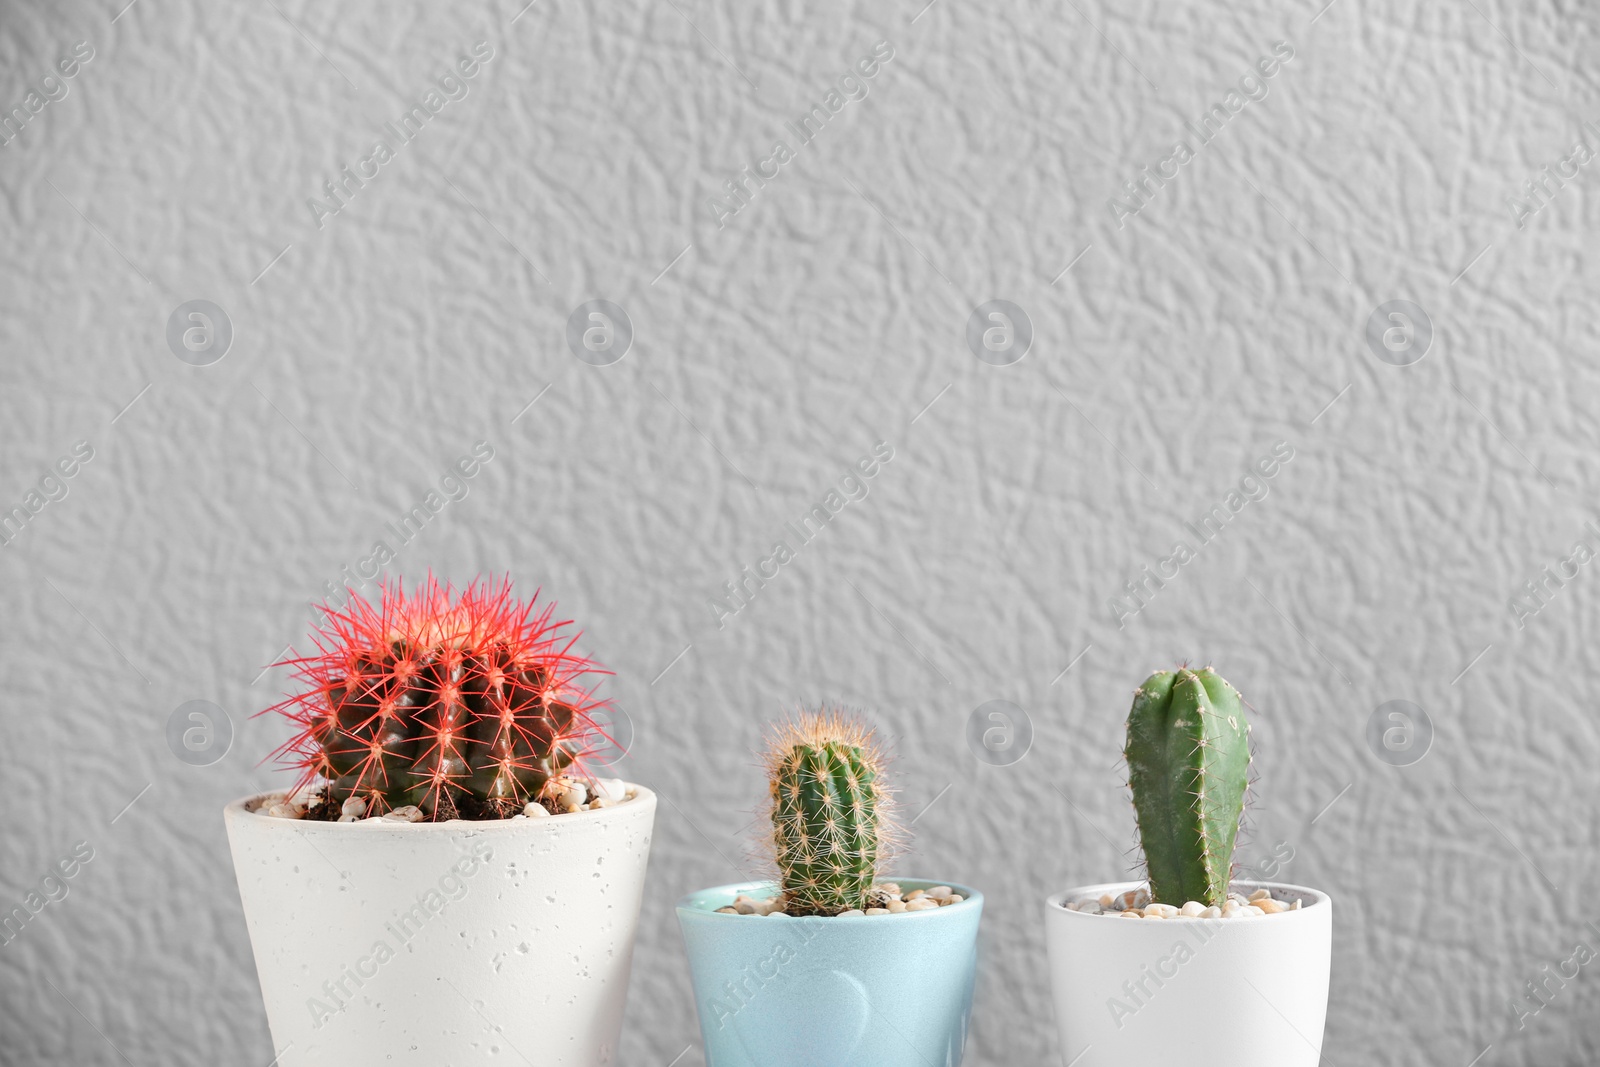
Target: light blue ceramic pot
point(861, 991)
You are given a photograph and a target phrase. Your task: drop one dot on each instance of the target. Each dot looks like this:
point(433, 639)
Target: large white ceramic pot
point(1241, 992)
point(390, 943)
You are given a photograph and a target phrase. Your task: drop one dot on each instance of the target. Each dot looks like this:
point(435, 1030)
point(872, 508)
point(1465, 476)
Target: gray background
point(769, 355)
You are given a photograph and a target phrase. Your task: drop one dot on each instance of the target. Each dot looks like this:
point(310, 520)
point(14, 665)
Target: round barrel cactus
point(464, 706)
point(830, 812)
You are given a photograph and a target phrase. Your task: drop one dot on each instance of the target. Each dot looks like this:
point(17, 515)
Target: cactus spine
point(463, 706)
point(831, 823)
point(1188, 754)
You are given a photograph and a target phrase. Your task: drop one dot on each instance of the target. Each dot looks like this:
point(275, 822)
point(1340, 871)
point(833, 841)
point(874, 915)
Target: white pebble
point(897, 906)
point(877, 911)
point(349, 818)
point(955, 898)
point(941, 892)
point(614, 790)
point(777, 911)
point(1212, 912)
point(922, 904)
point(282, 811)
point(565, 794)
point(851, 911)
point(356, 806)
point(1193, 907)
point(601, 802)
point(1260, 894)
point(1160, 911)
point(534, 809)
point(1251, 909)
point(406, 813)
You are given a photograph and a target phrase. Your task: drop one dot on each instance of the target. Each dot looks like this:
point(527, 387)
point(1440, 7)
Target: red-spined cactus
point(464, 706)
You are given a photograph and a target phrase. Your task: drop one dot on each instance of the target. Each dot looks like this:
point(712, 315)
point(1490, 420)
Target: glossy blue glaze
point(862, 991)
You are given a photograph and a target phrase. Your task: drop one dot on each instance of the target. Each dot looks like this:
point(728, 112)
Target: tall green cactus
point(830, 818)
point(1188, 755)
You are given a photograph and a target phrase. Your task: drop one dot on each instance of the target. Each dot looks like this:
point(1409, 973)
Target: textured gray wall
point(1173, 347)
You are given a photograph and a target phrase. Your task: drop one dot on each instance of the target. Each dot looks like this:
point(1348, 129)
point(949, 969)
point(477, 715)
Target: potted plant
point(446, 879)
point(1226, 975)
point(827, 966)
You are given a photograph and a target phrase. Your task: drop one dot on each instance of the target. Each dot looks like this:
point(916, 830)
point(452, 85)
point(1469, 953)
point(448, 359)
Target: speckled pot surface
point(784, 991)
point(393, 943)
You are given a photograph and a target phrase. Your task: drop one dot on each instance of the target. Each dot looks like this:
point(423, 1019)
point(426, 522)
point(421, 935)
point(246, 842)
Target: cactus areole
point(464, 705)
point(1188, 754)
point(830, 812)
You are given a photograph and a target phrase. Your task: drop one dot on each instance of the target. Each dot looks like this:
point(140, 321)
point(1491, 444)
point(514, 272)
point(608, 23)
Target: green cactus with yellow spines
point(1188, 753)
point(831, 822)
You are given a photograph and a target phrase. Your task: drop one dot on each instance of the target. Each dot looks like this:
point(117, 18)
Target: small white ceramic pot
point(392, 943)
point(1201, 992)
